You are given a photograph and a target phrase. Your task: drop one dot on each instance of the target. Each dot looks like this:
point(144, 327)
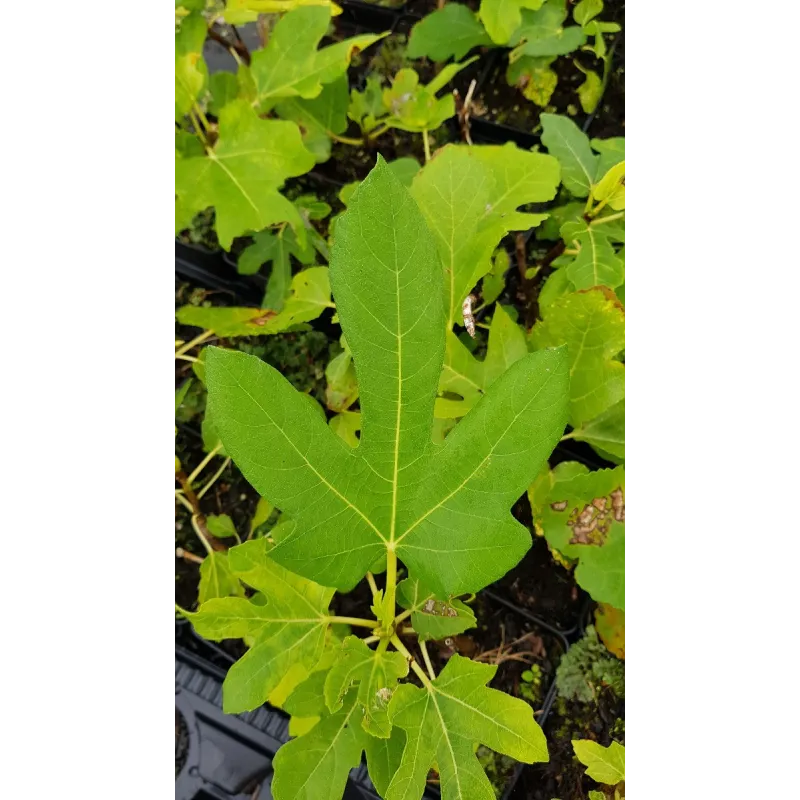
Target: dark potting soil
point(563, 776)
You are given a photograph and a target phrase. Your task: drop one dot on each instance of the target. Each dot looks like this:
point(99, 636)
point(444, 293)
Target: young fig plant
point(442, 509)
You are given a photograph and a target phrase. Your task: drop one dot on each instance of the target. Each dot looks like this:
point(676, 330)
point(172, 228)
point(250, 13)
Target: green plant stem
point(427, 146)
point(427, 659)
point(197, 340)
point(345, 139)
point(600, 206)
point(200, 534)
point(610, 218)
point(186, 503)
point(202, 465)
point(400, 617)
point(371, 639)
point(378, 131)
point(187, 358)
point(570, 435)
point(372, 585)
point(214, 478)
point(202, 117)
point(187, 556)
point(362, 623)
point(391, 576)
point(198, 129)
point(400, 647)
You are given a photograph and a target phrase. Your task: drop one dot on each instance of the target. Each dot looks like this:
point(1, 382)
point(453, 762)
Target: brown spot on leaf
point(559, 506)
point(618, 504)
point(263, 318)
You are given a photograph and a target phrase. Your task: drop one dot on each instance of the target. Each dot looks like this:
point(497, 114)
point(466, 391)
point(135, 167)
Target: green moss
point(588, 667)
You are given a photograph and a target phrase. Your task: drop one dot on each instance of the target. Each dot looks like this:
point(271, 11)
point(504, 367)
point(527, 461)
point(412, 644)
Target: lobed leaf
point(593, 328)
point(289, 629)
point(241, 176)
point(466, 376)
point(449, 32)
point(442, 509)
point(310, 296)
point(503, 17)
point(315, 766)
point(290, 65)
point(604, 764)
point(376, 672)
point(469, 197)
point(444, 720)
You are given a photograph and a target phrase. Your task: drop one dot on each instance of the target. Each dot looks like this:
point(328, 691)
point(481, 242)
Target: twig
point(239, 46)
point(214, 478)
point(187, 556)
point(198, 518)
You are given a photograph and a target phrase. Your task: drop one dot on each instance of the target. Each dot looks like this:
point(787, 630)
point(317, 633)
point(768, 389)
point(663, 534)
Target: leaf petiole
point(427, 145)
point(427, 660)
point(609, 218)
point(363, 623)
point(197, 340)
point(400, 647)
point(214, 478)
point(202, 465)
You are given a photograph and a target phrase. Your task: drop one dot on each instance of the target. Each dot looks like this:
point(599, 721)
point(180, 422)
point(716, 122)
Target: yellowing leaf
point(290, 65)
point(469, 197)
point(241, 176)
point(310, 296)
point(503, 17)
point(376, 672)
point(290, 629)
point(610, 626)
point(611, 187)
point(593, 328)
point(603, 764)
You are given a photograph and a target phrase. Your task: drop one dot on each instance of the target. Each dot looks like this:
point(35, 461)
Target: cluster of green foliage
point(586, 668)
point(536, 32)
point(605, 765)
point(423, 446)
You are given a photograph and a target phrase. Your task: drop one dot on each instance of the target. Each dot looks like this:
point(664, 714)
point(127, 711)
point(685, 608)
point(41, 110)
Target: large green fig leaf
point(289, 629)
point(443, 510)
point(445, 719)
point(451, 31)
point(470, 196)
point(310, 296)
point(593, 327)
point(503, 17)
point(241, 176)
point(291, 66)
